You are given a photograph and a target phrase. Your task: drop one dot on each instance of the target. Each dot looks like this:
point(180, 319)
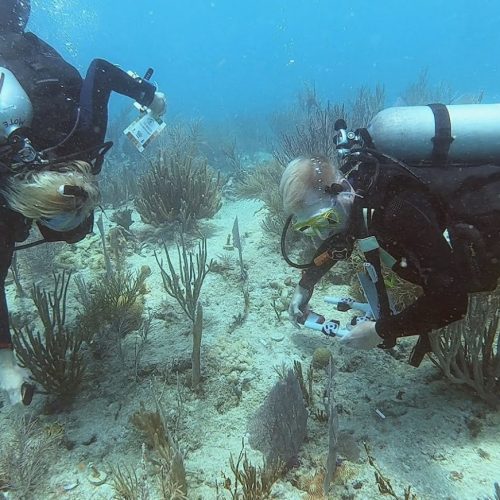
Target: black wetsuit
point(57, 92)
point(409, 217)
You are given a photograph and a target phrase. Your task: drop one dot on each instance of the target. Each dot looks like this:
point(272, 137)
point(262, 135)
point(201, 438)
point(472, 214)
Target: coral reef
point(53, 357)
point(40, 261)
point(196, 354)
point(26, 452)
point(178, 188)
point(116, 297)
point(137, 339)
point(166, 455)
point(421, 93)
point(365, 106)
point(468, 351)
point(185, 284)
point(321, 357)
point(123, 217)
point(315, 136)
point(278, 429)
point(262, 183)
point(333, 428)
point(255, 482)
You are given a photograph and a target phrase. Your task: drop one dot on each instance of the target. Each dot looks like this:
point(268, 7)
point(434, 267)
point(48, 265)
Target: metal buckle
point(336, 254)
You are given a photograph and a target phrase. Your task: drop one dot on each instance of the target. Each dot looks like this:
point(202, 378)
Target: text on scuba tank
point(13, 121)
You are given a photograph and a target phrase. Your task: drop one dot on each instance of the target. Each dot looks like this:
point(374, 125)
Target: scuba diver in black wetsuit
point(437, 221)
point(52, 129)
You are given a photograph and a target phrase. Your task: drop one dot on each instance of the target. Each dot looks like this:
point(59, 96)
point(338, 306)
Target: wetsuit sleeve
point(103, 78)
point(412, 223)
point(333, 246)
point(311, 276)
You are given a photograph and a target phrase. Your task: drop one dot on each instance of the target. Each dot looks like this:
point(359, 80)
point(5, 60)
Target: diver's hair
point(304, 183)
point(36, 195)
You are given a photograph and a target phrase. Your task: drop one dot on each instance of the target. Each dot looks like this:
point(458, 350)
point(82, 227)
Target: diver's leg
point(13, 378)
point(6, 252)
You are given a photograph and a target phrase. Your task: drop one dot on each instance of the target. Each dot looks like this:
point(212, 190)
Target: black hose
point(29, 245)
point(283, 249)
point(68, 136)
point(98, 150)
point(399, 163)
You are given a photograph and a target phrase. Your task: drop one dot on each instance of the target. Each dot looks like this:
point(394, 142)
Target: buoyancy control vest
point(467, 192)
point(53, 85)
point(470, 200)
point(467, 204)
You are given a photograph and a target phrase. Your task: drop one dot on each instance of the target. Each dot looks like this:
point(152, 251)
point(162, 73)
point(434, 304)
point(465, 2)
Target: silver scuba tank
point(408, 133)
point(16, 110)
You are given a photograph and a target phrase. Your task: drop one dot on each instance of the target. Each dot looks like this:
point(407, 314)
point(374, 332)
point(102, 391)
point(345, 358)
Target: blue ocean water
point(218, 58)
point(222, 61)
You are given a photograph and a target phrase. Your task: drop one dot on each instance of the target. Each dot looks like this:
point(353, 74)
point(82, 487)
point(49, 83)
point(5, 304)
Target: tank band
point(442, 138)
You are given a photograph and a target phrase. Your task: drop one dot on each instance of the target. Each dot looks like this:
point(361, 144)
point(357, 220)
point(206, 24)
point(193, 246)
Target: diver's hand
point(362, 336)
point(298, 305)
point(158, 105)
point(12, 376)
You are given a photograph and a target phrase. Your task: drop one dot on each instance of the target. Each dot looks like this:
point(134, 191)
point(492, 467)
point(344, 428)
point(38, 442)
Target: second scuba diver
point(440, 224)
point(52, 128)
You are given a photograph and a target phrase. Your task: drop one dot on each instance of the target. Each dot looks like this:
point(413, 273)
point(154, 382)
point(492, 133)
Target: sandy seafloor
point(436, 437)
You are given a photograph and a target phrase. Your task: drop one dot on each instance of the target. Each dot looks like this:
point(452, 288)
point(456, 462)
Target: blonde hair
point(37, 195)
point(304, 181)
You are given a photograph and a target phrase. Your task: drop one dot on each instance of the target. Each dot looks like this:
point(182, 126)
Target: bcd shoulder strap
point(373, 255)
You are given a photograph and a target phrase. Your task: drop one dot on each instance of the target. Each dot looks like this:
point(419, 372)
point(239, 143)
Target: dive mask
point(321, 224)
point(328, 220)
point(69, 220)
point(65, 221)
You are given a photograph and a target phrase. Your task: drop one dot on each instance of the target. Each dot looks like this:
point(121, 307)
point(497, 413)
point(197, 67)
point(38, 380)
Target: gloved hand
point(362, 336)
point(158, 104)
point(298, 305)
point(13, 378)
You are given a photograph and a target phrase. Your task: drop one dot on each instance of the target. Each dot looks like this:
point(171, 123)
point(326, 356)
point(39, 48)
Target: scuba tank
point(436, 134)
point(16, 110)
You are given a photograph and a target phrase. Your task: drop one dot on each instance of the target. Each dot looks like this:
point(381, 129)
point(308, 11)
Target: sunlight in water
point(71, 24)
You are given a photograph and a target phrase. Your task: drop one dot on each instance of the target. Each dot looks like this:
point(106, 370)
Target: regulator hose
point(283, 247)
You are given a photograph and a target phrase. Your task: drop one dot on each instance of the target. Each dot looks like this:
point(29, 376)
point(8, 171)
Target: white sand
point(423, 441)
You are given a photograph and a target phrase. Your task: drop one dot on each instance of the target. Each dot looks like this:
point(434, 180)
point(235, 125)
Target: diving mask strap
point(71, 191)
